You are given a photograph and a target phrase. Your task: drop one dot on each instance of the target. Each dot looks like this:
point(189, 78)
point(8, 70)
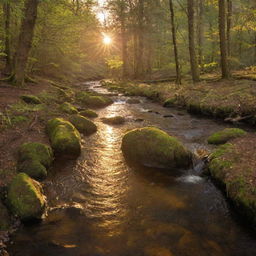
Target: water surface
point(102, 207)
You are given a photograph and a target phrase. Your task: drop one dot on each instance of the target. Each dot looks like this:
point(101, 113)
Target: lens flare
point(107, 40)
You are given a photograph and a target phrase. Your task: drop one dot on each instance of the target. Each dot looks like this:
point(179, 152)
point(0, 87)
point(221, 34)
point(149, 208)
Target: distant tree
point(175, 48)
point(223, 40)
point(191, 36)
point(7, 17)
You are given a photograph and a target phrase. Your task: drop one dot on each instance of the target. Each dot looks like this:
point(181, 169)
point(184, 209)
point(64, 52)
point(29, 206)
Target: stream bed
point(100, 206)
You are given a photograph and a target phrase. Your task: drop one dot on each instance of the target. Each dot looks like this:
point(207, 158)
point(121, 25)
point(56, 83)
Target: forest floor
point(233, 101)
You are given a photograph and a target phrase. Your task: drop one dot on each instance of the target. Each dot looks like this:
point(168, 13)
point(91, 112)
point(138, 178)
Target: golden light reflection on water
point(108, 181)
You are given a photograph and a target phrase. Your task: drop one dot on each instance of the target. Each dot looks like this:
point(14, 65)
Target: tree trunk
point(139, 70)
point(175, 48)
point(25, 42)
point(223, 40)
point(229, 24)
point(191, 35)
point(7, 51)
point(200, 32)
point(124, 41)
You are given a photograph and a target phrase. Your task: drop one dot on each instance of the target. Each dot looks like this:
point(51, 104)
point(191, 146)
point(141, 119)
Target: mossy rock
point(115, 120)
point(5, 220)
point(66, 95)
point(31, 99)
point(25, 197)
point(83, 124)
point(225, 135)
point(68, 108)
point(152, 147)
point(88, 113)
point(93, 101)
point(169, 102)
point(64, 138)
point(35, 159)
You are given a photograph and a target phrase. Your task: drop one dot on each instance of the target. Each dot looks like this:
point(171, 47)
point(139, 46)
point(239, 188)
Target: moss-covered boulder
point(5, 220)
point(93, 101)
point(68, 108)
point(64, 137)
point(25, 197)
point(169, 102)
point(152, 147)
point(35, 159)
point(88, 113)
point(31, 99)
point(225, 135)
point(115, 120)
point(83, 124)
point(65, 95)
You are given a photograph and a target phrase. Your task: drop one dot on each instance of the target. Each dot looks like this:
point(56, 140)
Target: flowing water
point(100, 206)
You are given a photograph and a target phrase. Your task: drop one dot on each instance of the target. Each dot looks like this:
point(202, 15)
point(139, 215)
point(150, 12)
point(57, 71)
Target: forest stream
point(100, 206)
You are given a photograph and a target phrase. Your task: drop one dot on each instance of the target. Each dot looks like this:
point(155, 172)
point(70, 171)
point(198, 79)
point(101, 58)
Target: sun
point(107, 40)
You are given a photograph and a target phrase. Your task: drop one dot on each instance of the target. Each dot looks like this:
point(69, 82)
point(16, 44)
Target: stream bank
point(101, 206)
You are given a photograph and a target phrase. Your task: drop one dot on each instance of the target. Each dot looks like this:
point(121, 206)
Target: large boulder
point(83, 124)
point(152, 147)
point(25, 197)
point(35, 159)
point(225, 135)
point(64, 137)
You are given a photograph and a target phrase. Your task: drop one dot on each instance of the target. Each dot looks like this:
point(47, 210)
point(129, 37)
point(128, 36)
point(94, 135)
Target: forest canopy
point(68, 37)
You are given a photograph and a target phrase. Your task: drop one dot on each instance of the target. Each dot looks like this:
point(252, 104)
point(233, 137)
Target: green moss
point(31, 99)
point(25, 197)
point(88, 113)
point(225, 135)
point(152, 147)
point(83, 124)
point(115, 120)
point(93, 101)
point(65, 95)
point(34, 160)
point(169, 103)
point(64, 137)
point(19, 119)
point(5, 221)
point(68, 108)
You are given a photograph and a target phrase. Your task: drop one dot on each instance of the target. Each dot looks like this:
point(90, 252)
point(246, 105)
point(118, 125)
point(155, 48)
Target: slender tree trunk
point(140, 36)
point(200, 32)
point(25, 42)
point(223, 40)
point(229, 24)
point(124, 42)
point(192, 50)
point(175, 48)
point(7, 51)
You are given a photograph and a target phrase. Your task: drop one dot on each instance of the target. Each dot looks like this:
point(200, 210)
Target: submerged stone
point(94, 101)
point(83, 124)
point(153, 147)
point(64, 138)
point(31, 99)
point(115, 120)
point(88, 113)
point(25, 197)
point(225, 135)
point(34, 159)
